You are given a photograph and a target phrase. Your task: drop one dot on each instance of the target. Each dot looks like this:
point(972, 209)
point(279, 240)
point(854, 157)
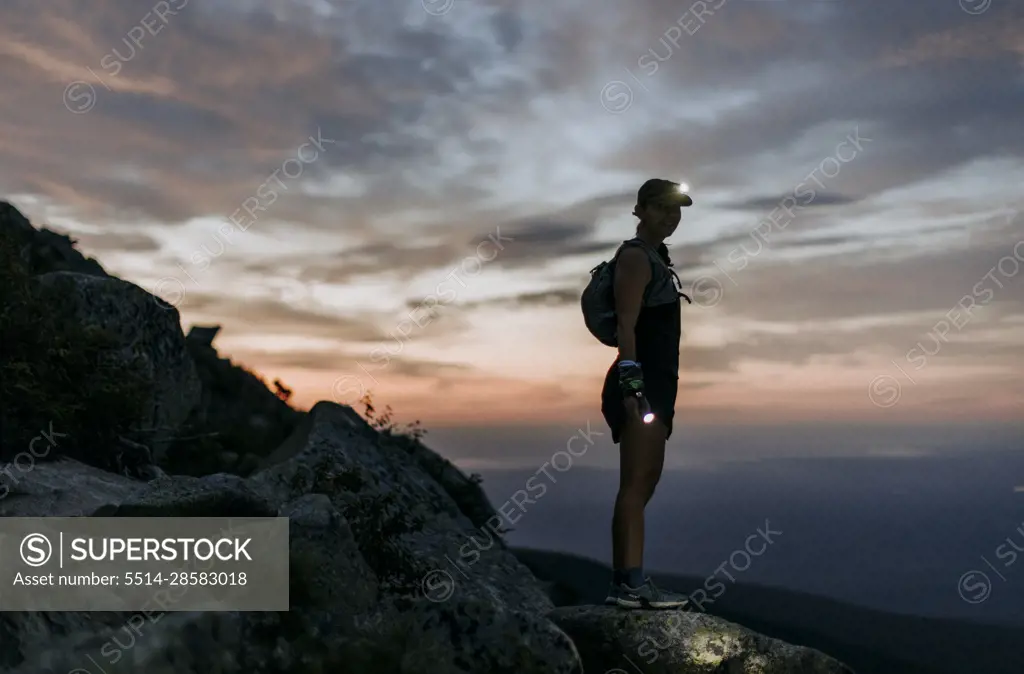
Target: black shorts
point(660, 389)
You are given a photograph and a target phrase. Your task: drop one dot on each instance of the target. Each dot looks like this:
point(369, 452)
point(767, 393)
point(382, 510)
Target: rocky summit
point(375, 516)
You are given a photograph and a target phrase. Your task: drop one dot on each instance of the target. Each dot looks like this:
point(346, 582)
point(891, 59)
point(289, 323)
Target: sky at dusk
point(407, 197)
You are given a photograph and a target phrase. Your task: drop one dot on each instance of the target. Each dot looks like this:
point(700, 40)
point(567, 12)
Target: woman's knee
point(641, 482)
point(650, 491)
point(633, 488)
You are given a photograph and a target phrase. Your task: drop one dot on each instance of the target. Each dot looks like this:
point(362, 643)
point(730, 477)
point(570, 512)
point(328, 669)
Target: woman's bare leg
point(641, 461)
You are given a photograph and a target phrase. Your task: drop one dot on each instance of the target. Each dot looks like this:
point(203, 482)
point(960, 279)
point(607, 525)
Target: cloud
point(269, 317)
point(121, 241)
point(377, 258)
point(160, 103)
point(433, 133)
point(544, 298)
point(809, 92)
point(342, 361)
point(549, 297)
point(765, 204)
point(877, 283)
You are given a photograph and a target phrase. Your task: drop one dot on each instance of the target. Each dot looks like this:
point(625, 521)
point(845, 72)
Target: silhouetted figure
point(648, 318)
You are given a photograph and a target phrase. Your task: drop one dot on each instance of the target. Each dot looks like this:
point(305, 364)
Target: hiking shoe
point(646, 596)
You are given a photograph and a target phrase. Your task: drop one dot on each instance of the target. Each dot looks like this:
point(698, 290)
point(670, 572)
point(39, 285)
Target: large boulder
point(150, 341)
point(414, 536)
point(186, 496)
point(62, 488)
point(236, 419)
point(381, 492)
point(613, 640)
point(374, 587)
point(465, 491)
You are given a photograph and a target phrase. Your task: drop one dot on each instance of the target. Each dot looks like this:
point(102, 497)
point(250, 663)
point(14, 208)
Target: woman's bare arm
point(632, 274)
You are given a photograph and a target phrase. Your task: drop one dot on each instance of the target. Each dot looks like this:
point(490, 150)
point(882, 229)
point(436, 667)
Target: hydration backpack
point(598, 300)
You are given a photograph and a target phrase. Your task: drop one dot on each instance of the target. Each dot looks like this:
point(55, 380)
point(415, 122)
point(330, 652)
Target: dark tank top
point(657, 338)
point(658, 328)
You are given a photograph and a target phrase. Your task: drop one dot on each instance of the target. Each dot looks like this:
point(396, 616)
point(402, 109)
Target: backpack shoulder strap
point(656, 259)
point(651, 253)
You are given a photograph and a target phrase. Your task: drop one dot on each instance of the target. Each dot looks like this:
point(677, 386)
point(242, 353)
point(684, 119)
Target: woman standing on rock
point(648, 331)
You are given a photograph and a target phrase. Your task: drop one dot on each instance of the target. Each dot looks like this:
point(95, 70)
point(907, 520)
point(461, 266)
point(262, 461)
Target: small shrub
point(282, 391)
point(385, 423)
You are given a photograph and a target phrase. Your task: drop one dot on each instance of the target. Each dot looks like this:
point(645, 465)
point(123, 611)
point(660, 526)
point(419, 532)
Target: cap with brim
point(663, 191)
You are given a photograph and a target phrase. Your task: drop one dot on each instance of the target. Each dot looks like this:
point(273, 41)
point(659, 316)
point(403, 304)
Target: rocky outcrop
point(465, 491)
point(149, 341)
point(208, 415)
point(370, 532)
point(63, 488)
point(681, 642)
point(408, 525)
